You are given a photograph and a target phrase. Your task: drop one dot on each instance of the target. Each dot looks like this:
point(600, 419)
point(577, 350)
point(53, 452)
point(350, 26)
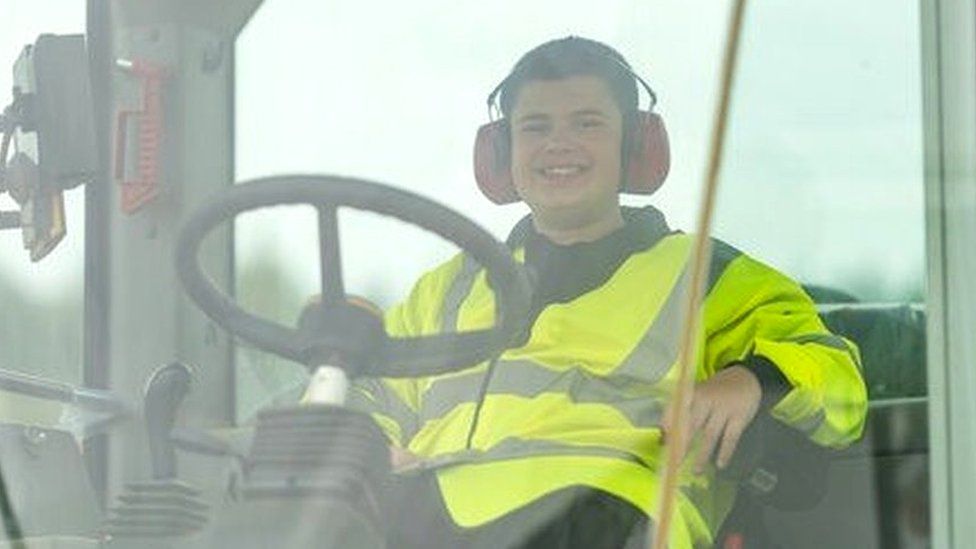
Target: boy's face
point(566, 146)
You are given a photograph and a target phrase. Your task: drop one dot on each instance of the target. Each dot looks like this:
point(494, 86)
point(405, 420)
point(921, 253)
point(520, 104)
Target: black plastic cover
point(52, 85)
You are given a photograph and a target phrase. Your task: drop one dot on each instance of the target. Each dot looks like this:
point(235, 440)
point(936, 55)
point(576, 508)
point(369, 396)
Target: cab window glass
point(823, 175)
point(822, 181)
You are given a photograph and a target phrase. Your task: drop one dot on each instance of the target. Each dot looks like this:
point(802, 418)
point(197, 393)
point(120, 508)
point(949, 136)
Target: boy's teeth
point(562, 171)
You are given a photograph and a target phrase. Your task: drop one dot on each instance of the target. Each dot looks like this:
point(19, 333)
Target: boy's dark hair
point(573, 56)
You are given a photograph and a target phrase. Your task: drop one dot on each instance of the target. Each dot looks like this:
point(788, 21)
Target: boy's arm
point(759, 319)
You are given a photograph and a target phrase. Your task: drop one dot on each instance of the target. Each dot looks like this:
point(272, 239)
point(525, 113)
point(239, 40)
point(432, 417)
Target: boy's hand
point(721, 408)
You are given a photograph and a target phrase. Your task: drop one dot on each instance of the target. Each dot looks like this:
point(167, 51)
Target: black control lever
point(165, 507)
point(165, 390)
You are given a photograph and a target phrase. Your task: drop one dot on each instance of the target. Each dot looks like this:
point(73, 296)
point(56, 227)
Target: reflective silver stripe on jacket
point(811, 424)
point(459, 290)
point(830, 341)
point(515, 448)
point(657, 350)
point(637, 401)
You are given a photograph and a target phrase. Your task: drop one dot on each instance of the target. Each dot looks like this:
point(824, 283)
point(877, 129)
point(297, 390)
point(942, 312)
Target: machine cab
point(172, 171)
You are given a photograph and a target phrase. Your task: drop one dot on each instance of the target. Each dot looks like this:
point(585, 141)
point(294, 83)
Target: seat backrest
point(864, 490)
point(891, 340)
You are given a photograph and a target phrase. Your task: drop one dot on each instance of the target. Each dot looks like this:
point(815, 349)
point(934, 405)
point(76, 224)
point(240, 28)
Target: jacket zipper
point(482, 393)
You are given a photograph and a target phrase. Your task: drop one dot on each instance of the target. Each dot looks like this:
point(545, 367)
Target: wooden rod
point(681, 400)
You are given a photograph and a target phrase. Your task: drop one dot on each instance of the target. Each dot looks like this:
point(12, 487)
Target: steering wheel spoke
point(330, 257)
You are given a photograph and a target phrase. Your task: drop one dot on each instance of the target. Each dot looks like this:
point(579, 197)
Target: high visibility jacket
point(581, 401)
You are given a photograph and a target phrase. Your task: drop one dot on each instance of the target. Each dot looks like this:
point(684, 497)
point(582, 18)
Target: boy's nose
point(558, 141)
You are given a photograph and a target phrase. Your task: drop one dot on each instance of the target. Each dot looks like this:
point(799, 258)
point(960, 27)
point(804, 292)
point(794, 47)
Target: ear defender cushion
point(650, 155)
point(491, 163)
point(647, 166)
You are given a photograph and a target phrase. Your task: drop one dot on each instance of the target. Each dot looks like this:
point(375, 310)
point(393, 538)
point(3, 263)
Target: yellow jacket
point(581, 401)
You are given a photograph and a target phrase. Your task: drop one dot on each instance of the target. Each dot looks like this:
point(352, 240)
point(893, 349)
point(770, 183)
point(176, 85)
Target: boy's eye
point(535, 127)
point(589, 123)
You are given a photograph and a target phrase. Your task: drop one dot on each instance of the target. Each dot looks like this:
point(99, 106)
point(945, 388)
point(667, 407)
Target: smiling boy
point(556, 442)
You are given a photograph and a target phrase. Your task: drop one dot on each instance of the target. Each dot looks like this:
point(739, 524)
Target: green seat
point(891, 338)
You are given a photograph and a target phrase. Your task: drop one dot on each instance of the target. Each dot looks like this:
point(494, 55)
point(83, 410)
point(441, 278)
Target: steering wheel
point(389, 356)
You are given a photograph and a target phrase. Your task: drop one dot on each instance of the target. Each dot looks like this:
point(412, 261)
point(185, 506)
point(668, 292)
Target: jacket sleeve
point(394, 402)
point(756, 315)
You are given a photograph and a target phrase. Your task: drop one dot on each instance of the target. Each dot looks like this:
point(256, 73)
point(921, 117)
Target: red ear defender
point(647, 164)
point(650, 155)
point(492, 169)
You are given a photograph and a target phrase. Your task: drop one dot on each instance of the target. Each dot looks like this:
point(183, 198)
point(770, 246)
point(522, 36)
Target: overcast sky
point(823, 177)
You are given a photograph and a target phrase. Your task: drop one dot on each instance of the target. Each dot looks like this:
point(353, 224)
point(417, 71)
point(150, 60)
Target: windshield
point(582, 380)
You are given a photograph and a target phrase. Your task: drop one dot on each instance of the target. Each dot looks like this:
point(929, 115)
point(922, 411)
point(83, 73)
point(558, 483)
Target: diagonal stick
point(700, 263)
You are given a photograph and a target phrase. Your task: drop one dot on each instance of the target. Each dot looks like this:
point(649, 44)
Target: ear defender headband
point(647, 158)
